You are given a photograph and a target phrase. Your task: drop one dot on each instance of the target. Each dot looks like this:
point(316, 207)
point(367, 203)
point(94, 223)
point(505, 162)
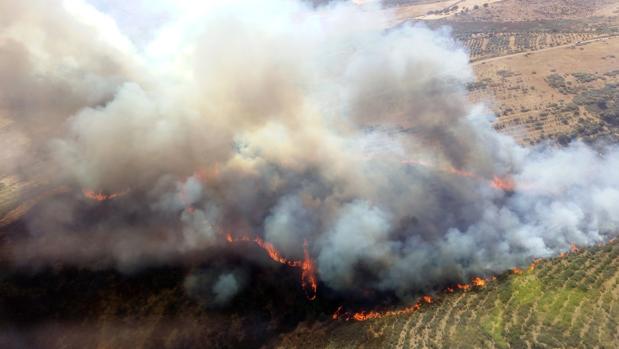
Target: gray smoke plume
point(295, 124)
point(225, 288)
point(215, 288)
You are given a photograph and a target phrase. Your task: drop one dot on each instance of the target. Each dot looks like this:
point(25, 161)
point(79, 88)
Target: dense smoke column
point(290, 123)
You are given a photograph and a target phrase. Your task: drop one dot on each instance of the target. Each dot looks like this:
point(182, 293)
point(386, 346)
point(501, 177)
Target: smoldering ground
point(288, 122)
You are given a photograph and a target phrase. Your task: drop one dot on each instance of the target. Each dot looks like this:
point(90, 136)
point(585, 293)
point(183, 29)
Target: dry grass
point(447, 9)
point(505, 10)
point(529, 108)
point(529, 10)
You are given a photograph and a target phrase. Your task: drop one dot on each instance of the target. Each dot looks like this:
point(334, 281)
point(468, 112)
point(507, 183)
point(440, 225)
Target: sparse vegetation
point(558, 82)
point(497, 42)
point(584, 77)
point(602, 102)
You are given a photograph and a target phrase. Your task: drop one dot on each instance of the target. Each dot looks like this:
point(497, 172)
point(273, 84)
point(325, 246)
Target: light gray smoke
point(292, 123)
point(214, 287)
point(225, 288)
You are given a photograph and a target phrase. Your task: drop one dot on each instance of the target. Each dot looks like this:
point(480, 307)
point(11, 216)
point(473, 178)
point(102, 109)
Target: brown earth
point(529, 108)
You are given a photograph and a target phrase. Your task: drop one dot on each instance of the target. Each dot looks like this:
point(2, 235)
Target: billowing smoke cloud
point(293, 123)
point(54, 60)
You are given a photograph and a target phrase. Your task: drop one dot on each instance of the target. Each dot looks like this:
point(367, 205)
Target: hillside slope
point(565, 302)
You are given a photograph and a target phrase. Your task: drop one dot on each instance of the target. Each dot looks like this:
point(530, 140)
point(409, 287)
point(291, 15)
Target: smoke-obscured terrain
point(279, 120)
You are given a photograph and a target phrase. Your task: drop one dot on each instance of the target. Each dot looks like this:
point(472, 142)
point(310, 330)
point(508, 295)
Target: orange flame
point(273, 253)
point(479, 282)
point(574, 248)
point(476, 281)
point(100, 196)
point(308, 274)
point(501, 183)
point(373, 314)
point(309, 281)
point(370, 315)
point(459, 172)
point(463, 287)
point(534, 264)
point(337, 313)
point(506, 184)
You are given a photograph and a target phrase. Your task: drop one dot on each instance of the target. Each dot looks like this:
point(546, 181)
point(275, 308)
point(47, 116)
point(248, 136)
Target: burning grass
point(309, 281)
point(567, 301)
point(100, 196)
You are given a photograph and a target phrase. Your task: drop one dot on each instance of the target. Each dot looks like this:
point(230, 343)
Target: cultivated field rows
point(564, 302)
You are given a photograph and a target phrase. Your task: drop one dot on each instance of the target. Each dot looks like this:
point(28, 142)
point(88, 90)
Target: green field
point(568, 302)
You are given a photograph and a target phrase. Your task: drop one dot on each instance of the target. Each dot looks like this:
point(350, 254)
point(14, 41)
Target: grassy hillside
point(568, 302)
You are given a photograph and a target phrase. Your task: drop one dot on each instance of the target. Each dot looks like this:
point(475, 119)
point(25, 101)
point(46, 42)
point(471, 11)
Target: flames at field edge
point(309, 281)
point(476, 283)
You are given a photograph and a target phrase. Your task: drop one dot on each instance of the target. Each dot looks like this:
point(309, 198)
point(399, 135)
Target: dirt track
point(485, 60)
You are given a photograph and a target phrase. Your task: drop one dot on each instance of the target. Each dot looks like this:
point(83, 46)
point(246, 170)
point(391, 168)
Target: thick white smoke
point(292, 123)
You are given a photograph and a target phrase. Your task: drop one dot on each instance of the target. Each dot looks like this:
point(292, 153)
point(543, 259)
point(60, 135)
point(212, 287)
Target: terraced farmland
point(565, 302)
point(486, 45)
